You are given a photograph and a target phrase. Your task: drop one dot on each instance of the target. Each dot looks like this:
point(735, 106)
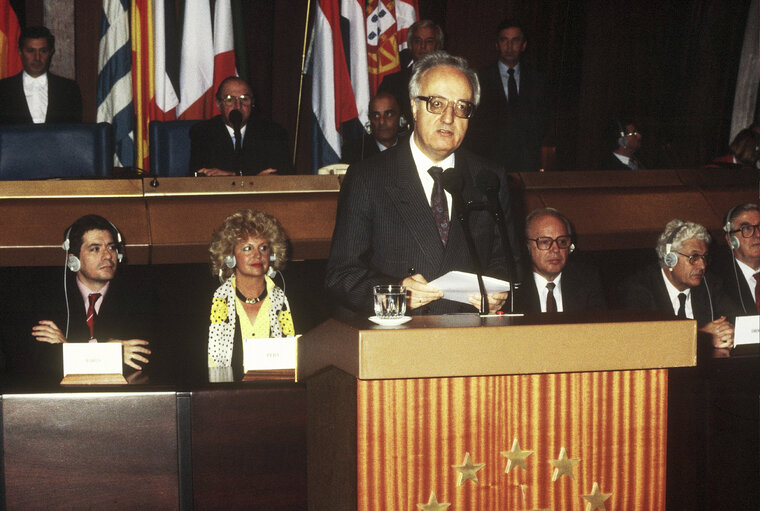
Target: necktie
point(511, 86)
point(238, 142)
point(682, 308)
point(439, 205)
point(551, 303)
point(633, 163)
point(757, 291)
point(93, 297)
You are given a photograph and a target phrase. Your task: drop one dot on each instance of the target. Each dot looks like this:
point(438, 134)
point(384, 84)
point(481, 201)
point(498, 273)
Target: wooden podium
point(491, 414)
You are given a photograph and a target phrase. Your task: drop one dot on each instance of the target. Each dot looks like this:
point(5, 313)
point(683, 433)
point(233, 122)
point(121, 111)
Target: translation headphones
point(230, 262)
point(733, 241)
point(623, 140)
point(671, 258)
point(72, 261)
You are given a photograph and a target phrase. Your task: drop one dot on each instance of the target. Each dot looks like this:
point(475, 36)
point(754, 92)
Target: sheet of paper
point(91, 358)
point(262, 354)
point(747, 330)
point(458, 285)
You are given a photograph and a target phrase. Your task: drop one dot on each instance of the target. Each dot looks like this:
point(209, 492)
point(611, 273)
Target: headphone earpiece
point(272, 258)
point(671, 258)
point(73, 263)
point(368, 128)
point(733, 241)
point(623, 140)
point(402, 123)
point(271, 272)
point(230, 261)
point(572, 248)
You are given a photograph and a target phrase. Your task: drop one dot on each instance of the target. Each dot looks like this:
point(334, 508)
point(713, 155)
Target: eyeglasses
point(631, 134)
point(694, 257)
point(243, 99)
point(438, 105)
point(747, 230)
point(545, 242)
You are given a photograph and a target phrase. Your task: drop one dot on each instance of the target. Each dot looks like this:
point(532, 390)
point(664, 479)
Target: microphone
point(488, 183)
point(453, 182)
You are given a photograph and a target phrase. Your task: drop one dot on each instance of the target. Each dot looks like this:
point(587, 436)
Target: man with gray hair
point(678, 284)
point(741, 272)
point(393, 222)
point(423, 38)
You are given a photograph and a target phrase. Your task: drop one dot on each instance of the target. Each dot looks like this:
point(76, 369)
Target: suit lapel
point(23, 105)
point(408, 196)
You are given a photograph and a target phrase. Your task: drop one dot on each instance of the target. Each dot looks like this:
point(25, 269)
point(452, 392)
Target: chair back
point(170, 147)
point(44, 151)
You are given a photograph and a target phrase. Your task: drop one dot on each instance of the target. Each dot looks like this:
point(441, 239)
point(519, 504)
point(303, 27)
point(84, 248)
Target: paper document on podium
point(459, 285)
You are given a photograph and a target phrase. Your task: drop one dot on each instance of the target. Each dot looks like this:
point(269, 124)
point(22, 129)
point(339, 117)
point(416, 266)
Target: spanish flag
point(10, 61)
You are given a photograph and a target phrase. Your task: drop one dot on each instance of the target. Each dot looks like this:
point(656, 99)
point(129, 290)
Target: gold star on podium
point(432, 504)
point(468, 470)
point(563, 465)
point(516, 457)
point(596, 499)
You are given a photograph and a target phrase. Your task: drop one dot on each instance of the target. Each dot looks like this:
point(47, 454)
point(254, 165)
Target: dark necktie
point(551, 303)
point(511, 86)
point(682, 308)
point(238, 141)
point(439, 205)
point(633, 163)
point(757, 291)
point(90, 319)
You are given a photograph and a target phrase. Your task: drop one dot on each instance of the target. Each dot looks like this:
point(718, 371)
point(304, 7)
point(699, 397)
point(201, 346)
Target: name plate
point(747, 330)
point(267, 354)
point(91, 358)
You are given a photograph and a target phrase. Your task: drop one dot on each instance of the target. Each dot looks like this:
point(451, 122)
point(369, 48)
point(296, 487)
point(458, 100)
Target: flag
point(196, 72)
point(353, 11)
point(10, 61)
point(406, 16)
point(114, 95)
point(224, 45)
point(382, 45)
point(165, 62)
point(332, 96)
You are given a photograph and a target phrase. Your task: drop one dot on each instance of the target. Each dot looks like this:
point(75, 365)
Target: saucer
point(390, 321)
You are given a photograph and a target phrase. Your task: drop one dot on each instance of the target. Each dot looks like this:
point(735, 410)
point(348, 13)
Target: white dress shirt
point(36, 92)
point(543, 292)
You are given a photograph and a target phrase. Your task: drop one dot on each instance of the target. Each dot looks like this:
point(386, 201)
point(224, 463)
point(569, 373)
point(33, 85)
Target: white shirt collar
point(29, 81)
point(543, 291)
point(749, 275)
point(423, 164)
point(673, 293)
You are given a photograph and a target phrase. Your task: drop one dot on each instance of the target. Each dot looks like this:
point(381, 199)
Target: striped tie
point(93, 297)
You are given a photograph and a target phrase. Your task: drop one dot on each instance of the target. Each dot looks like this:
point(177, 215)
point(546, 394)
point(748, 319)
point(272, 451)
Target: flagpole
point(300, 82)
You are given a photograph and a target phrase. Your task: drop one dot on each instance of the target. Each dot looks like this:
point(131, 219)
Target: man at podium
point(394, 214)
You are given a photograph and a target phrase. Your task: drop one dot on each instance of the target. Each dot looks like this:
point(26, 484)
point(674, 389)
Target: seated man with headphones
point(558, 284)
point(97, 306)
point(679, 285)
point(627, 142)
point(385, 123)
point(741, 271)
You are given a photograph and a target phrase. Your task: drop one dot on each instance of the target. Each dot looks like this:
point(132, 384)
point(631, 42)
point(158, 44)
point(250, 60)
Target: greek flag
point(115, 80)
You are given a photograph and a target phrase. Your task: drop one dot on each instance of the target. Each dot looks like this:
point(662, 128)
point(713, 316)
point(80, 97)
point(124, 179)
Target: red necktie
point(93, 297)
point(551, 303)
point(757, 291)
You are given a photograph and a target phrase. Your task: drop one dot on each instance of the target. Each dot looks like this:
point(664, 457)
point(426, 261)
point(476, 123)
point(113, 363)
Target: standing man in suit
point(36, 95)
point(423, 38)
point(384, 126)
point(558, 284)
point(392, 224)
point(97, 306)
point(512, 118)
point(741, 272)
point(236, 142)
point(626, 143)
point(678, 285)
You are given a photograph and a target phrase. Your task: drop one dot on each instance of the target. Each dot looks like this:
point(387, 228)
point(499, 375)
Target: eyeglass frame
point(229, 99)
point(755, 227)
point(693, 257)
point(456, 102)
point(552, 241)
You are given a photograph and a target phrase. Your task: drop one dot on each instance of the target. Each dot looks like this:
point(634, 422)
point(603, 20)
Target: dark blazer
point(385, 231)
point(355, 151)
point(611, 162)
point(738, 290)
point(510, 134)
point(398, 85)
point(646, 290)
point(265, 146)
point(64, 101)
point(581, 290)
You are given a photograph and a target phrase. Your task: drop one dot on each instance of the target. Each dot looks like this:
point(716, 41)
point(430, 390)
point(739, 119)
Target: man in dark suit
point(626, 141)
point(741, 272)
point(246, 145)
point(558, 284)
point(384, 125)
point(679, 286)
point(423, 37)
point(36, 95)
point(97, 307)
point(512, 118)
point(392, 223)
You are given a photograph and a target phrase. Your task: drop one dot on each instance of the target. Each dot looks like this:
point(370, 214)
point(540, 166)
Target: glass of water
point(390, 301)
